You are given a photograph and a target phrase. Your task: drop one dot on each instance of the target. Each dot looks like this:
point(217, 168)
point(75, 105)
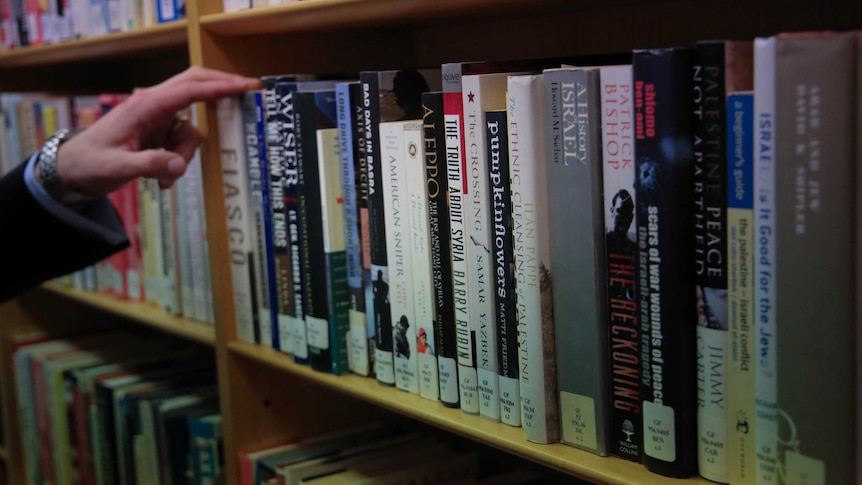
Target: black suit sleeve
point(36, 246)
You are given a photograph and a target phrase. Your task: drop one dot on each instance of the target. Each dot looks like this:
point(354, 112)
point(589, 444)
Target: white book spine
point(197, 242)
point(467, 377)
point(528, 171)
point(237, 212)
point(447, 367)
point(420, 249)
point(393, 143)
point(481, 93)
point(766, 383)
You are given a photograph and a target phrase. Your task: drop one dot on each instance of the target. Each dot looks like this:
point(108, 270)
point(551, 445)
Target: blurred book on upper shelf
point(29, 23)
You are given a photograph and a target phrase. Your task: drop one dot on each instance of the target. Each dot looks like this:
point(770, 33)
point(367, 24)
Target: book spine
point(456, 167)
point(296, 341)
point(313, 254)
point(814, 233)
point(352, 177)
point(503, 257)
point(437, 181)
point(662, 81)
point(256, 170)
point(197, 238)
point(184, 250)
point(453, 113)
point(710, 255)
point(170, 271)
point(420, 249)
point(278, 116)
point(624, 333)
point(765, 393)
point(740, 279)
point(384, 368)
point(534, 287)
point(236, 208)
point(480, 93)
point(393, 151)
point(573, 136)
point(332, 213)
point(362, 163)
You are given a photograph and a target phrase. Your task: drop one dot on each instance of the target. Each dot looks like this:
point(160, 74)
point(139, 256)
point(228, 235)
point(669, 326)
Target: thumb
point(159, 164)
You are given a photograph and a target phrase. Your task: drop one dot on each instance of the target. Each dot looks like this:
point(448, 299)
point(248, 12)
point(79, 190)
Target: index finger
point(160, 104)
point(200, 74)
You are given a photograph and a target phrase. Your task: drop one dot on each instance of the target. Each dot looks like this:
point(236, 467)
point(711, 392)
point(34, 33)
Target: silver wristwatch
point(49, 176)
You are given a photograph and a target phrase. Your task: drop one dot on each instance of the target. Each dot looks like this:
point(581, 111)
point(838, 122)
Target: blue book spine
point(351, 177)
point(203, 445)
point(266, 212)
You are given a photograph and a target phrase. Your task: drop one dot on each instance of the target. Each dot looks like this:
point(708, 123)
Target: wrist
point(48, 175)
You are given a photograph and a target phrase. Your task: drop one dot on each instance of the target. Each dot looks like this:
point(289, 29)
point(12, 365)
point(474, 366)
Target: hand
point(143, 137)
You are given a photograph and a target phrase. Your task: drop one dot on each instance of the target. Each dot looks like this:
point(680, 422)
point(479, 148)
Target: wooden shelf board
point(174, 34)
point(310, 15)
point(145, 313)
point(608, 470)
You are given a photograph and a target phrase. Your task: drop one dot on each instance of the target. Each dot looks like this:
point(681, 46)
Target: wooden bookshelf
point(265, 397)
point(560, 457)
point(143, 313)
point(148, 40)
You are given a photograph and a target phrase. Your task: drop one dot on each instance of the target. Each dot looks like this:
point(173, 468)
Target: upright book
point(577, 247)
point(664, 181)
point(393, 155)
point(235, 178)
point(386, 96)
point(313, 111)
point(740, 288)
point(717, 67)
point(261, 227)
point(480, 93)
point(624, 331)
point(805, 209)
point(420, 257)
point(528, 165)
point(354, 188)
point(437, 180)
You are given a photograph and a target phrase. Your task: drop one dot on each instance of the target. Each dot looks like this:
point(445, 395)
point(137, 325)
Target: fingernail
point(176, 166)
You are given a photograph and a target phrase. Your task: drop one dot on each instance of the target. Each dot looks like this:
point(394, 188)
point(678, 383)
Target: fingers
point(198, 74)
point(177, 96)
point(164, 165)
point(183, 139)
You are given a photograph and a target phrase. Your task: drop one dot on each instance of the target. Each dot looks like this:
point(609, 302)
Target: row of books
point(28, 23)
point(238, 5)
point(117, 408)
point(167, 263)
point(374, 453)
point(572, 249)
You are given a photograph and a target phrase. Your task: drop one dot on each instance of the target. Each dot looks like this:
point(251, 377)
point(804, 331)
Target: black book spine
point(276, 113)
point(284, 93)
point(503, 257)
point(663, 187)
point(376, 227)
point(361, 166)
point(309, 119)
point(441, 258)
point(709, 150)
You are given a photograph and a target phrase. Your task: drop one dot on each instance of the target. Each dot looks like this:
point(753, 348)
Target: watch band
point(49, 176)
